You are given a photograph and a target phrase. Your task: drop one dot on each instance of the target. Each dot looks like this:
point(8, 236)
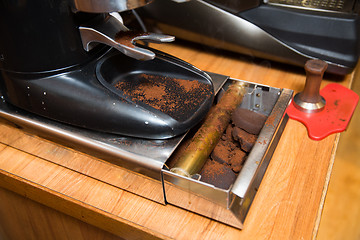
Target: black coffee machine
point(288, 31)
point(64, 60)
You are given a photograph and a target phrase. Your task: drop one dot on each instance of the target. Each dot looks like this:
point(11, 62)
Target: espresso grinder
point(62, 60)
point(74, 74)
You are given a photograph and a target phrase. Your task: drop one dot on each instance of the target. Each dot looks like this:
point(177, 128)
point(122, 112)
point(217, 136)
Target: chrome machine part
point(112, 32)
point(307, 106)
point(106, 6)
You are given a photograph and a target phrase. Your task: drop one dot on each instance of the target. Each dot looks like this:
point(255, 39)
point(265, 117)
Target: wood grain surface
point(24, 217)
point(285, 207)
point(341, 214)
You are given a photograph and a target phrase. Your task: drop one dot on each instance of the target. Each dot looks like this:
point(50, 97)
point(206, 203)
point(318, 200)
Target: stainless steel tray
point(231, 206)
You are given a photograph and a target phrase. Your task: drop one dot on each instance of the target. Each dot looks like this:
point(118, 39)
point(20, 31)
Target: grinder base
point(86, 96)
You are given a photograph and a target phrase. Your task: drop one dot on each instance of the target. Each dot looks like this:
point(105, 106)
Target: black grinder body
point(46, 71)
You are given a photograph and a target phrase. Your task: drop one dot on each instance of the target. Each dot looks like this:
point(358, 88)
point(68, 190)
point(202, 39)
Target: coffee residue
point(230, 153)
point(178, 98)
point(220, 175)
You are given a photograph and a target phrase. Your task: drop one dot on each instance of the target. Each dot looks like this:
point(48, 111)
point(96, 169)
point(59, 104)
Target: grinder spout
point(112, 32)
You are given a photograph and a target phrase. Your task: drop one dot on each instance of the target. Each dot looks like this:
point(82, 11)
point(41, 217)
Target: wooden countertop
point(288, 204)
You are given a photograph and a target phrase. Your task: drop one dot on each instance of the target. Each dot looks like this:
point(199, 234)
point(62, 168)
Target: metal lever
point(310, 100)
point(105, 6)
point(112, 32)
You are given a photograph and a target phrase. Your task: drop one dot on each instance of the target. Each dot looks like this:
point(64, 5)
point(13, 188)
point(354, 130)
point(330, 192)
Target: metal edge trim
point(245, 187)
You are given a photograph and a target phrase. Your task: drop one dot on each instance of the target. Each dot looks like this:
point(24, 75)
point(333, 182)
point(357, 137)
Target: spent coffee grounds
point(178, 98)
point(230, 153)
